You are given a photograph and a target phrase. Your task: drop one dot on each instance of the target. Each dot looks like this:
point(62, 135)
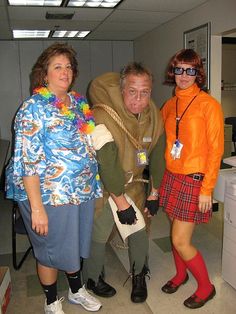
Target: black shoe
point(139, 287)
point(170, 287)
point(102, 289)
point(194, 302)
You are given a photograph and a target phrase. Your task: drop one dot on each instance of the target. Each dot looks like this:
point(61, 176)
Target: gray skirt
point(69, 235)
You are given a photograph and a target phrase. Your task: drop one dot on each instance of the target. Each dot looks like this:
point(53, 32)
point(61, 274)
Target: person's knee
point(103, 225)
point(179, 243)
point(101, 235)
point(99, 238)
point(139, 236)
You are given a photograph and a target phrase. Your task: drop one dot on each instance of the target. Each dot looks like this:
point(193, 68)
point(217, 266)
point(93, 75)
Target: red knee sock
point(198, 268)
point(181, 269)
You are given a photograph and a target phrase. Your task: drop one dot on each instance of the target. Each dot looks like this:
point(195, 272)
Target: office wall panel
point(28, 54)
point(18, 57)
point(10, 87)
point(122, 53)
point(83, 57)
point(101, 57)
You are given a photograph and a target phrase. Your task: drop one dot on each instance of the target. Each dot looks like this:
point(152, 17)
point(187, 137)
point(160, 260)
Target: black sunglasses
point(189, 71)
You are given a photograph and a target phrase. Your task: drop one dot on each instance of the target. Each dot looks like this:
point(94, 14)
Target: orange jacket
point(201, 131)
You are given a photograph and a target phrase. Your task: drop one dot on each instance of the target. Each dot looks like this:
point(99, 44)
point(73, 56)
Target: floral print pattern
point(48, 145)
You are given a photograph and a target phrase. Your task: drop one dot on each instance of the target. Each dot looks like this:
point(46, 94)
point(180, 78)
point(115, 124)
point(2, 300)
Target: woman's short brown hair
point(39, 70)
point(188, 56)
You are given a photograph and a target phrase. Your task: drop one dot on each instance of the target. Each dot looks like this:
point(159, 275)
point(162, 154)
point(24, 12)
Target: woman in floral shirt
point(53, 174)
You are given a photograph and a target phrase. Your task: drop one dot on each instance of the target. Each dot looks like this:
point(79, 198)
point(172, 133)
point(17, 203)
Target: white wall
point(18, 57)
point(228, 98)
point(156, 48)
point(96, 57)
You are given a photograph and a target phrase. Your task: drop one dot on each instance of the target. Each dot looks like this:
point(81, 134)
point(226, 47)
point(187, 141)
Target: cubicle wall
point(18, 57)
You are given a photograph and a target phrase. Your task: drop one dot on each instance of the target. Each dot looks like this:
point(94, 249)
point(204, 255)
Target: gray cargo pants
point(103, 225)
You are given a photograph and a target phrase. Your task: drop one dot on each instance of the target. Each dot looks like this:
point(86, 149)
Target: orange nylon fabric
point(201, 131)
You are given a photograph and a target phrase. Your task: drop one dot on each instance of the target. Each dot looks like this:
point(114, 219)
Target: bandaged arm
point(109, 166)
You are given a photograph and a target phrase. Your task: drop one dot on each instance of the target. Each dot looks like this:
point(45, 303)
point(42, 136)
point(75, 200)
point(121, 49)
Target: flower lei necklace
point(85, 124)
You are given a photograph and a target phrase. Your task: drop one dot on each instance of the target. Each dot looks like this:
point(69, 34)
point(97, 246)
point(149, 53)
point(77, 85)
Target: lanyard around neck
point(177, 118)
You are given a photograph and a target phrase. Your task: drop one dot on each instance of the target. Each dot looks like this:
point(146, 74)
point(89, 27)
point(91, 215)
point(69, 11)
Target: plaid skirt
point(179, 196)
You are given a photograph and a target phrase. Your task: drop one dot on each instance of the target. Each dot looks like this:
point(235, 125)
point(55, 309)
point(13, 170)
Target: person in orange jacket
point(194, 146)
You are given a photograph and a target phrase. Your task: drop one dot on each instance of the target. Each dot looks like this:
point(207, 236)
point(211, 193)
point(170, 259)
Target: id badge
point(176, 149)
point(141, 158)
point(147, 139)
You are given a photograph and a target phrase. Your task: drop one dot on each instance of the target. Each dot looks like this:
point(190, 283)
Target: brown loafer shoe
point(170, 287)
point(194, 302)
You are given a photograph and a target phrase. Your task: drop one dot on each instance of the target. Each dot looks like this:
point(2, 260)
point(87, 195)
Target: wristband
point(154, 194)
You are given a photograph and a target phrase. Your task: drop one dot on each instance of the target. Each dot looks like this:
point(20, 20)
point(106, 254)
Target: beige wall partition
point(18, 57)
point(156, 47)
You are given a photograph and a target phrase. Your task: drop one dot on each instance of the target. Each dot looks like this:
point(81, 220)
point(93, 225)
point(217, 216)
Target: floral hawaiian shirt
point(49, 145)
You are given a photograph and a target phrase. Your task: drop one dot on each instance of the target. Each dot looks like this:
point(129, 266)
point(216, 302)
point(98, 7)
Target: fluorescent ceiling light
point(48, 3)
point(71, 3)
point(76, 3)
point(70, 34)
point(82, 34)
point(30, 34)
point(93, 3)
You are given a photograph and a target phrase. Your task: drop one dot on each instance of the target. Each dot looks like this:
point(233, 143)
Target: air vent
point(59, 16)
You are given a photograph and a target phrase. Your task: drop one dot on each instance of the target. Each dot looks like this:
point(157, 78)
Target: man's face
point(136, 92)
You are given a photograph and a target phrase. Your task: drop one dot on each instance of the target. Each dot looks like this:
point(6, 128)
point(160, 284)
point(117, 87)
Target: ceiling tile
point(129, 20)
point(140, 16)
point(39, 13)
point(108, 35)
point(160, 5)
point(122, 26)
point(55, 24)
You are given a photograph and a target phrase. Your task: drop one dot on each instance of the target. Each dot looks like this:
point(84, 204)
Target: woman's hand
point(39, 216)
point(205, 203)
point(39, 221)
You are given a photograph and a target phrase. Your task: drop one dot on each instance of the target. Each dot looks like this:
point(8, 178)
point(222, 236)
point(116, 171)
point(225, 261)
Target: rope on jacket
point(139, 180)
point(118, 120)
